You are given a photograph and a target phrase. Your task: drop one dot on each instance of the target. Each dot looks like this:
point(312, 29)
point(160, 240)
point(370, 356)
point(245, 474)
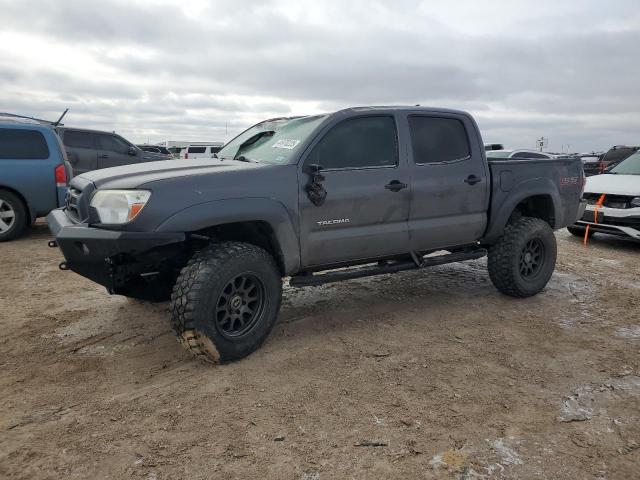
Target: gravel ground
point(429, 374)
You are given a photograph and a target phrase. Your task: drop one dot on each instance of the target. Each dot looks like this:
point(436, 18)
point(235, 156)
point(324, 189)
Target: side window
point(437, 139)
point(19, 144)
point(196, 149)
point(111, 143)
point(77, 139)
point(356, 143)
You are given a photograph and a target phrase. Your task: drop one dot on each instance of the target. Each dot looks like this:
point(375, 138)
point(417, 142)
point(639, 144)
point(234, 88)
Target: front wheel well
point(536, 206)
point(259, 233)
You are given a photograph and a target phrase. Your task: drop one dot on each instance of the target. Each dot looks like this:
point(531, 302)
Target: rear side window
point(438, 140)
point(196, 149)
point(111, 143)
point(22, 144)
point(358, 143)
point(75, 139)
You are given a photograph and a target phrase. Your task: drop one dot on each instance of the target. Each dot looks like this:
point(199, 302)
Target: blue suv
point(34, 173)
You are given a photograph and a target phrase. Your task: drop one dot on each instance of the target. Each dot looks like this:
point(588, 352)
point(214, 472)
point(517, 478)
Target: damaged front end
point(126, 263)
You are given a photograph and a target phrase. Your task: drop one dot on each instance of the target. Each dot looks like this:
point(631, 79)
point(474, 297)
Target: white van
point(200, 151)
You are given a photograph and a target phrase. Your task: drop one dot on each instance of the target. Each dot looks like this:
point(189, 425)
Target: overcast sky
point(203, 70)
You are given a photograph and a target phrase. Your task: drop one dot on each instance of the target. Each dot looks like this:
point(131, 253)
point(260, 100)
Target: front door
point(449, 181)
point(364, 214)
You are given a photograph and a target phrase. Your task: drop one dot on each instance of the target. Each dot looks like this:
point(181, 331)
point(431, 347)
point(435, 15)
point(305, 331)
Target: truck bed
point(513, 180)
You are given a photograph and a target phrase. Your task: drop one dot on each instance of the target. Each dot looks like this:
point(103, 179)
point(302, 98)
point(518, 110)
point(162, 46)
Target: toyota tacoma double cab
point(322, 198)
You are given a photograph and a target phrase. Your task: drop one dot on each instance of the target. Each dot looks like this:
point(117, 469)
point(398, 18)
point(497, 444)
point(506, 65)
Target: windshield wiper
point(242, 158)
point(251, 140)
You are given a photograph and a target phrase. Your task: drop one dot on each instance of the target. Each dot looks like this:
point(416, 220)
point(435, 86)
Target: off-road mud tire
point(506, 257)
point(198, 290)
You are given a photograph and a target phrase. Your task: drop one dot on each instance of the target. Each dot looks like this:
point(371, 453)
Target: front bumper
point(615, 221)
point(104, 256)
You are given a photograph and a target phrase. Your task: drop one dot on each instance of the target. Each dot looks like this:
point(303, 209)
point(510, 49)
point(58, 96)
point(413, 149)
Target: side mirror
point(132, 151)
point(315, 190)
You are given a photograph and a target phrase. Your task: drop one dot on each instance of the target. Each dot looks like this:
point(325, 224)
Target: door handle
point(395, 185)
point(472, 180)
point(104, 155)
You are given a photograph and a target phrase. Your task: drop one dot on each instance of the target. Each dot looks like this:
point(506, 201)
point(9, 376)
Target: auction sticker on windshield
point(286, 143)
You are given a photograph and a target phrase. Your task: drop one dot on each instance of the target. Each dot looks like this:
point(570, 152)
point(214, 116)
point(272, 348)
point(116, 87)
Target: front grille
point(611, 201)
point(72, 202)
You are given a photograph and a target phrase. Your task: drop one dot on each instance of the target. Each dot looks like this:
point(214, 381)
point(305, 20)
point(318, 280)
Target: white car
point(201, 151)
point(620, 210)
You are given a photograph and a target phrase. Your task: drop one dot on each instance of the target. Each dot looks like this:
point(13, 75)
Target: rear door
point(113, 151)
point(27, 165)
point(449, 180)
point(81, 150)
point(364, 215)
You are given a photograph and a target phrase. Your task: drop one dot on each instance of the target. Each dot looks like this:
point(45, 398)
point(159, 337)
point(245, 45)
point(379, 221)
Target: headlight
point(635, 202)
point(119, 206)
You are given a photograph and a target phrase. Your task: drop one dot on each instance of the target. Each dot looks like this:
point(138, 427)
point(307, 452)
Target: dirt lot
point(453, 379)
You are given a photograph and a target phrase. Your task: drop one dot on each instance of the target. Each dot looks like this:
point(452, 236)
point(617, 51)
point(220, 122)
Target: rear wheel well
point(536, 206)
point(257, 233)
point(22, 199)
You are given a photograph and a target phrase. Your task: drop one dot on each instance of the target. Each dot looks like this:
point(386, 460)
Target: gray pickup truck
point(359, 192)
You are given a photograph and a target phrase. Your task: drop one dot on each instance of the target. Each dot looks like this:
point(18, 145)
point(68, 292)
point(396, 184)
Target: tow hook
point(52, 243)
point(63, 266)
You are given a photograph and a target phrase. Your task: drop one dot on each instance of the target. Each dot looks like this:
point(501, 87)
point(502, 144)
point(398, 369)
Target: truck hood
point(614, 184)
point(135, 175)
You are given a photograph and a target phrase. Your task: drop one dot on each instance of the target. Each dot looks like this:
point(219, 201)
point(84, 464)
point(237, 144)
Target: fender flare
point(522, 191)
point(220, 212)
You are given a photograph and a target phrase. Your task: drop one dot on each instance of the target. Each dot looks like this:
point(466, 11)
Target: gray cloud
point(209, 69)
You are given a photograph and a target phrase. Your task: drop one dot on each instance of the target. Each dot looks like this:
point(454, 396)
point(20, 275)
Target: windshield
point(272, 141)
point(630, 166)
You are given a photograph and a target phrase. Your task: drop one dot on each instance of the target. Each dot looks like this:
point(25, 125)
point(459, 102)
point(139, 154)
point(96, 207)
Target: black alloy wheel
point(240, 305)
point(531, 258)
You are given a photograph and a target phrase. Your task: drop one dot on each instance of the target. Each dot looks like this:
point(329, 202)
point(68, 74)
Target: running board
point(320, 279)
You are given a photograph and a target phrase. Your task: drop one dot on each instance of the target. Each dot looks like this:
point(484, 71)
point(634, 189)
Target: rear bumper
point(61, 194)
point(100, 254)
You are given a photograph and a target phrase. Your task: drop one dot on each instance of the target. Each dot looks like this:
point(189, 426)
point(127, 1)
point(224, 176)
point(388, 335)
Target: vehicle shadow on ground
point(431, 289)
point(38, 230)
